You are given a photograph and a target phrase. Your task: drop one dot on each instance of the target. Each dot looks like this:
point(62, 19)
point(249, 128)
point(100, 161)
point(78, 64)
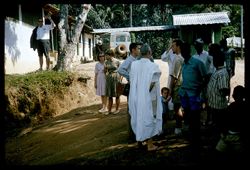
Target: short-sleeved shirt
point(176, 68)
point(207, 60)
point(43, 32)
point(124, 68)
point(219, 80)
point(193, 74)
point(169, 57)
point(100, 79)
point(112, 76)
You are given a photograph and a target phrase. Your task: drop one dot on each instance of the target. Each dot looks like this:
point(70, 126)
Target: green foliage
point(133, 37)
point(118, 15)
point(158, 41)
point(49, 81)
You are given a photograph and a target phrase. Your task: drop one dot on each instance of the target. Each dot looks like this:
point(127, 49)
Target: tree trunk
point(68, 42)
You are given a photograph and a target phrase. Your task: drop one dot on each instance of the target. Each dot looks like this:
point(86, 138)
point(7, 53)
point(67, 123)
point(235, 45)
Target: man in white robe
point(145, 105)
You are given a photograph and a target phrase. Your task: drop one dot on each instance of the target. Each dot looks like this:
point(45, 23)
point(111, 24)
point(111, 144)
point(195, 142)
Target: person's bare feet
point(152, 148)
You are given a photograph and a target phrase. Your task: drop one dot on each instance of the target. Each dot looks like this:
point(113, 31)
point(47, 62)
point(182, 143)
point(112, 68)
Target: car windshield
point(121, 38)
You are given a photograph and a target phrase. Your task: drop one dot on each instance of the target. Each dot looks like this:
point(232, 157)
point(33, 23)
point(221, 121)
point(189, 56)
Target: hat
point(199, 41)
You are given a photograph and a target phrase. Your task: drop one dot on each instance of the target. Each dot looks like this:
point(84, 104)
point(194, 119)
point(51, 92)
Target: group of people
point(195, 83)
point(105, 81)
point(204, 84)
point(143, 75)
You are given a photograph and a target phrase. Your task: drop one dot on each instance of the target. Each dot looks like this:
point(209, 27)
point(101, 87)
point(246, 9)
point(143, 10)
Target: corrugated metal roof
point(135, 29)
point(201, 18)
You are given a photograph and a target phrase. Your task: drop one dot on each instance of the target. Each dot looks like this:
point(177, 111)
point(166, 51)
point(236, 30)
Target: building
point(19, 23)
point(207, 26)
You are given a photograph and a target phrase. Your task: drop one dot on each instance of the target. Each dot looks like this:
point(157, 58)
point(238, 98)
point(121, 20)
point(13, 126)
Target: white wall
point(19, 57)
point(88, 49)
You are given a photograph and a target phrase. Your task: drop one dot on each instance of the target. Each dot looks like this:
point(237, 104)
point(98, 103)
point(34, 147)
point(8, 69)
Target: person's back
point(236, 110)
point(193, 73)
point(230, 61)
point(218, 85)
point(203, 55)
point(207, 59)
point(234, 140)
point(229, 57)
point(218, 90)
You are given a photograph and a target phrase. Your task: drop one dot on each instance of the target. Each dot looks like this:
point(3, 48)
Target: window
point(121, 38)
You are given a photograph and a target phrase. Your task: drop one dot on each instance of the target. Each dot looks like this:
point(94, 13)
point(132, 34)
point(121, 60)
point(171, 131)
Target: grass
point(29, 96)
point(49, 81)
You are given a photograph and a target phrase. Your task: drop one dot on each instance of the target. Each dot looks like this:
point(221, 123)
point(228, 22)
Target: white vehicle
point(119, 41)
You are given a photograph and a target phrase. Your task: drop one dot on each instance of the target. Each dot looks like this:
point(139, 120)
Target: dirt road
point(85, 137)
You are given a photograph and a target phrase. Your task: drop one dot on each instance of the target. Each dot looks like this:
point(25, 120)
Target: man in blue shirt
point(124, 70)
point(194, 76)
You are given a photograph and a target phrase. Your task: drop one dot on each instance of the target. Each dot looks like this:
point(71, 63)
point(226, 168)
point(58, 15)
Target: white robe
point(146, 117)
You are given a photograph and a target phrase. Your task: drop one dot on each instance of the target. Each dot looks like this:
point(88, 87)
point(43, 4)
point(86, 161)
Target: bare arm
point(172, 83)
point(51, 21)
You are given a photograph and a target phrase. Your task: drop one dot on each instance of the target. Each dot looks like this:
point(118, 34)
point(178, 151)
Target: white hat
point(199, 41)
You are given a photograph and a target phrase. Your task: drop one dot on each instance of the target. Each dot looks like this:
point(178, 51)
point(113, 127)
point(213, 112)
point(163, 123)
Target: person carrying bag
point(122, 88)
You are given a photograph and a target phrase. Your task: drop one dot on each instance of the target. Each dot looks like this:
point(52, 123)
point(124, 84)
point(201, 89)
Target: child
point(235, 123)
point(165, 99)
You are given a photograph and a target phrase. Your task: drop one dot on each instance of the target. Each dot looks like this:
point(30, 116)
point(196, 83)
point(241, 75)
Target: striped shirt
point(219, 80)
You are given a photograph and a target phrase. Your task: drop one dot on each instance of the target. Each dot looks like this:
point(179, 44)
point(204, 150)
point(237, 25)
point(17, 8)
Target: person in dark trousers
point(175, 60)
point(207, 59)
point(194, 75)
point(229, 55)
point(40, 39)
point(218, 89)
point(233, 144)
point(124, 70)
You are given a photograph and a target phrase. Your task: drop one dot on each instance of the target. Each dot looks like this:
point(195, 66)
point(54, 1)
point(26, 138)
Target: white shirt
point(169, 57)
point(207, 60)
point(43, 32)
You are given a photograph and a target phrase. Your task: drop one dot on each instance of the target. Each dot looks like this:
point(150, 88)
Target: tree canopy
point(118, 15)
